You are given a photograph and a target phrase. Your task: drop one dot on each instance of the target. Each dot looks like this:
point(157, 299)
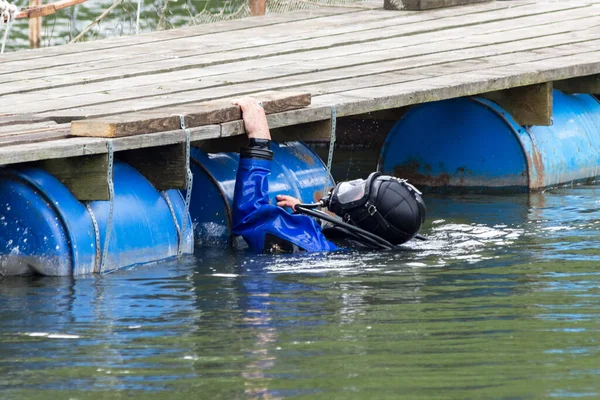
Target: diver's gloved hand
point(255, 120)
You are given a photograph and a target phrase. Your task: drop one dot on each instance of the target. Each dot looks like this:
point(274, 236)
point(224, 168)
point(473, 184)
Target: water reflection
point(500, 302)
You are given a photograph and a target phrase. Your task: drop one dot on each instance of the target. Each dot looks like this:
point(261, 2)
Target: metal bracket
point(96, 235)
point(188, 189)
point(111, 199)
point(165, 195)
point(332, 138)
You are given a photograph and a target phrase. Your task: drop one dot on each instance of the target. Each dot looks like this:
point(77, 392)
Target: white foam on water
point(62, 336)
point(51, 335)
point(558, 228)
point(225, 275)
point(416, 264)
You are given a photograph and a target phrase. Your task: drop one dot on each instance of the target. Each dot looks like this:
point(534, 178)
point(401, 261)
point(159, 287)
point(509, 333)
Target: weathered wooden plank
point(485, 81)
point(177, 63)
point(232, 128)
point(277, 102)
point(33, 137)
point(181, 47)
point(300, 80)
point(323, 112)
point(126, 125)
point(84, 176)
point(100, 96)
point(36, 9)
point(18, 128)
point(411, 54)
point(186, 42)
point(361, 101)
point(301, 116)
point(19, 118)
point(194, 115)
point(528, 105)
point(79, 146)
point(173, 34)
point(164, 166)
point(418, 73)
point(68, 91)
point(185, 45)
point(419, 5)
point(583, 84)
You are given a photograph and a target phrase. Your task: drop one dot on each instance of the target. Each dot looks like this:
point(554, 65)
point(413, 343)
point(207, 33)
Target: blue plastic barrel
point(474, 143)
point(296, 170)
point(44, 229)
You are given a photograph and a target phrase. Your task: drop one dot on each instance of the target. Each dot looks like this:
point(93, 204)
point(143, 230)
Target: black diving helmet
point(384, 205)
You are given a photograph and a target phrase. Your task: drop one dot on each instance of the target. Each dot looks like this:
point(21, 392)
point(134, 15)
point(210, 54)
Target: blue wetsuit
point(266, 227)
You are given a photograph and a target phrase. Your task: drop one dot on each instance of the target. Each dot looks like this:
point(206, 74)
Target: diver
point(379, 212)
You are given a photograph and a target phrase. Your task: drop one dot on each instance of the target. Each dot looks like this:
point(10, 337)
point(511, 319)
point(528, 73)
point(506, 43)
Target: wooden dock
point(354, 60)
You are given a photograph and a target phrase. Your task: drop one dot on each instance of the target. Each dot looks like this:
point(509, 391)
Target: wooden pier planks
point(346, 57)
point(426, 4)
point(357, 60)
point(21, 131)
point(194, 115)
point(415, 57)
point(376, 33)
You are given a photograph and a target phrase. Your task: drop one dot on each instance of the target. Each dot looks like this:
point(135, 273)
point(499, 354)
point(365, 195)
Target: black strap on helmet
point(366, 237)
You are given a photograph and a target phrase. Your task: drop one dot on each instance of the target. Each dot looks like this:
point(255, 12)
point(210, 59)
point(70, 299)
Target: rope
point(8, 13)
point(111, 199)
point(188, 188)
point(94, 22)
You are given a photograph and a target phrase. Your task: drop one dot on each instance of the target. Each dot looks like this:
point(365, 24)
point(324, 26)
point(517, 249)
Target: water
point(501, 303)
point(60, 28)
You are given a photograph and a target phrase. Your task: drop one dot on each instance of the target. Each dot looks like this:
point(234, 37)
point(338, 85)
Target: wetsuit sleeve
point(254, 218)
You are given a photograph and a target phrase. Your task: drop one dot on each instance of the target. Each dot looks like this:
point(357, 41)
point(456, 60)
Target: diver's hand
point(284, 200)
point(255, 120)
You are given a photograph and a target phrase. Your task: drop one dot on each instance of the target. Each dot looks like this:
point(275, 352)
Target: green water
point(503, 302)
point(60, 28)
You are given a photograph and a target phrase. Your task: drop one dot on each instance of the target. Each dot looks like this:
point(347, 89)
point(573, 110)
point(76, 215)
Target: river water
point(502, 302)
point(60, 28)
